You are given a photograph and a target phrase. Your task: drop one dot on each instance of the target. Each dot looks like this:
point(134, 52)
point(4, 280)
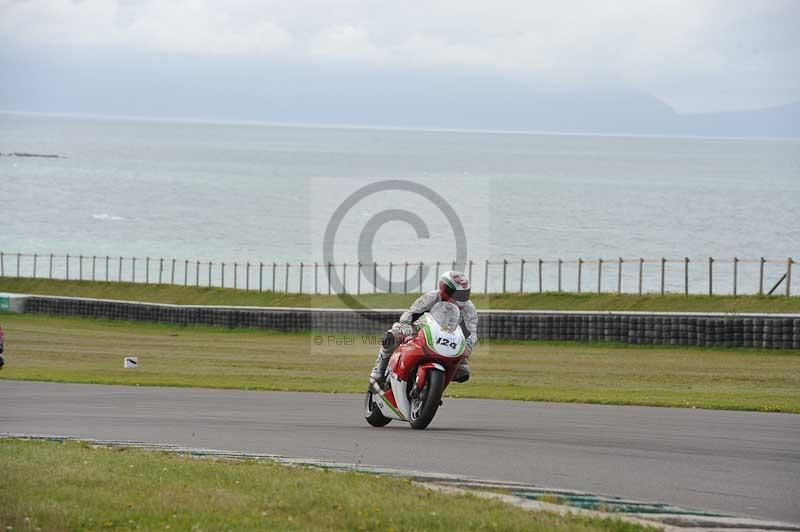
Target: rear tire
point(431, 398)
point(372, 413)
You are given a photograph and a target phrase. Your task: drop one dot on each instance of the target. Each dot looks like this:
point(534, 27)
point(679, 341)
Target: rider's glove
point(406, 329)
point(471, 341)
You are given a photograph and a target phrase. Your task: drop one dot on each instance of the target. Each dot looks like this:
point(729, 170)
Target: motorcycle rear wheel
point(372, 413)
point(431, 396)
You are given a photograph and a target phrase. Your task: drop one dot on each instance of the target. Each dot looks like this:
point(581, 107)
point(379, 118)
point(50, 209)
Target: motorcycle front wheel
point(425, 405)
point(372, 413)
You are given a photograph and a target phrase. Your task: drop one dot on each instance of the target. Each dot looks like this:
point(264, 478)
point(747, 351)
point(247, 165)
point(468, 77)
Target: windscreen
point(446, 315)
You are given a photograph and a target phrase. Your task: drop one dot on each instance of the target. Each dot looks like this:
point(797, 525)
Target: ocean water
point(249, 192)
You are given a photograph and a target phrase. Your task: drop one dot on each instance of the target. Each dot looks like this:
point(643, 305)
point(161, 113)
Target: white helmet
point(447, 315)
point(454, 286)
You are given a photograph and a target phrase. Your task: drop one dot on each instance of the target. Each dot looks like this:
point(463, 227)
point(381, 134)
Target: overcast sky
point(693, 55)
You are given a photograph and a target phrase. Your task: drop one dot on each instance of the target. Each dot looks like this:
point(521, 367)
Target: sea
point(252, 192)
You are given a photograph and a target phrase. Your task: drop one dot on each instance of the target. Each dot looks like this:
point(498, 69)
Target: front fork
point(422, 374)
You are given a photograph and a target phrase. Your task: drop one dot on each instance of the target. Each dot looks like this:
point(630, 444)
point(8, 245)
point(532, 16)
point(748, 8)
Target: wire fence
point(709, 275)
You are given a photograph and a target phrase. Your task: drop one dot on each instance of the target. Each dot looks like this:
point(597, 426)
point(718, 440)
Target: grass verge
point(91, 351)
point(189, 295)
point(129, 489)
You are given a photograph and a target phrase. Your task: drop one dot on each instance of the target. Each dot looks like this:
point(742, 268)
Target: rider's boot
point(462, 372)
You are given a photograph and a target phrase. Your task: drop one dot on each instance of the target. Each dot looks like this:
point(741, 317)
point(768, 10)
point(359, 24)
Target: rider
point(453, 287)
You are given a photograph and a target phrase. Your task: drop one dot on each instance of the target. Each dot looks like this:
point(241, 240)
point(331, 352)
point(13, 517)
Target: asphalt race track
point(742, 463)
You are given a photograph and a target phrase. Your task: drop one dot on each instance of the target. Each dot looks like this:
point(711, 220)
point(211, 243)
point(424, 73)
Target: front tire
point(424, 407)
point(372, 413)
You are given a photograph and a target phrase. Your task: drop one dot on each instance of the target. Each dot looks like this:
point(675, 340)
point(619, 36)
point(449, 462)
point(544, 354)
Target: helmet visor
point(461, 295)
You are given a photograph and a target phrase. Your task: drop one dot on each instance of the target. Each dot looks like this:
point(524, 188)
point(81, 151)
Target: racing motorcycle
point(417, 374)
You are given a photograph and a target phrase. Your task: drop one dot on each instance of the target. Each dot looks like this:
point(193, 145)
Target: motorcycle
point(417, 374)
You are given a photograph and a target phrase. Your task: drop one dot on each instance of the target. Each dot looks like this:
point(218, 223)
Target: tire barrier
point(779, 331)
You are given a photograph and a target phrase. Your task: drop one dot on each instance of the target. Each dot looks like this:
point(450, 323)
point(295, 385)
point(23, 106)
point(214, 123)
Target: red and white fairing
point(433, 348)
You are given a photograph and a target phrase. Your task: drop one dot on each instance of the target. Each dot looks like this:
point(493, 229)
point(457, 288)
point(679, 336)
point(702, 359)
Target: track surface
point(742, 463)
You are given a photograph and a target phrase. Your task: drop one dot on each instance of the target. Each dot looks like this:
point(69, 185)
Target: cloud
point(691, 53)
point(177, 26)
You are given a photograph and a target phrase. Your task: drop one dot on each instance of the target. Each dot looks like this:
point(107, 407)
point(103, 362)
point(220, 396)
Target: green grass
point(91, 351)
point(60, 486)
point(548, 301)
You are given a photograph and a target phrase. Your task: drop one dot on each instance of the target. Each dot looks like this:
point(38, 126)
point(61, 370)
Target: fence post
point(147, 270)
point(521, 274)
point(358, 277)
point(470, 270)
point(686, 276)
point(133, 268)
point(329, 278)
point(405, 277)
point(344, 277)
point(599, 275)
point(420, 275)
point(641, 272)
point(453, 266)
point(761, 277)
point(619, 276)
point(35, 256)
point(119, 272)
point(663, 268)
point(316, 278)
point(107, 259)
point(274, 266)
point(300, 283)
point(210, 265)
point(50, 273)
point(580, 270)
point(486, 277)
point(18, 255)
point(560, 262)
point(2, 264)
point(185, 272)
point(222, 274)
point(235, 275)
point(505, 267)
point(197, 273)
point(172, 276)
point(436, 277)
point(247, 277)
point(80, 267)
point(390, 276)
point(735, 274)
point(66, 261)
point(710, 276)
point(789, 276)
point(260, 276)
point(94, 262)
point(286, 279)
point(374, 277)
point(540, 276)
point(160, 268)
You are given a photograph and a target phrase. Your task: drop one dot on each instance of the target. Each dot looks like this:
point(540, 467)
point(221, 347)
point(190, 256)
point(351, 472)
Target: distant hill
point(224, 89)
point(781, 121)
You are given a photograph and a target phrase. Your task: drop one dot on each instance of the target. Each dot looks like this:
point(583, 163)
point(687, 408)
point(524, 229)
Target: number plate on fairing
point(447, 344)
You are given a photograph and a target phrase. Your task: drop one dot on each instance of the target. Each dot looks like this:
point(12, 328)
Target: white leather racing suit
point(469, 324)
